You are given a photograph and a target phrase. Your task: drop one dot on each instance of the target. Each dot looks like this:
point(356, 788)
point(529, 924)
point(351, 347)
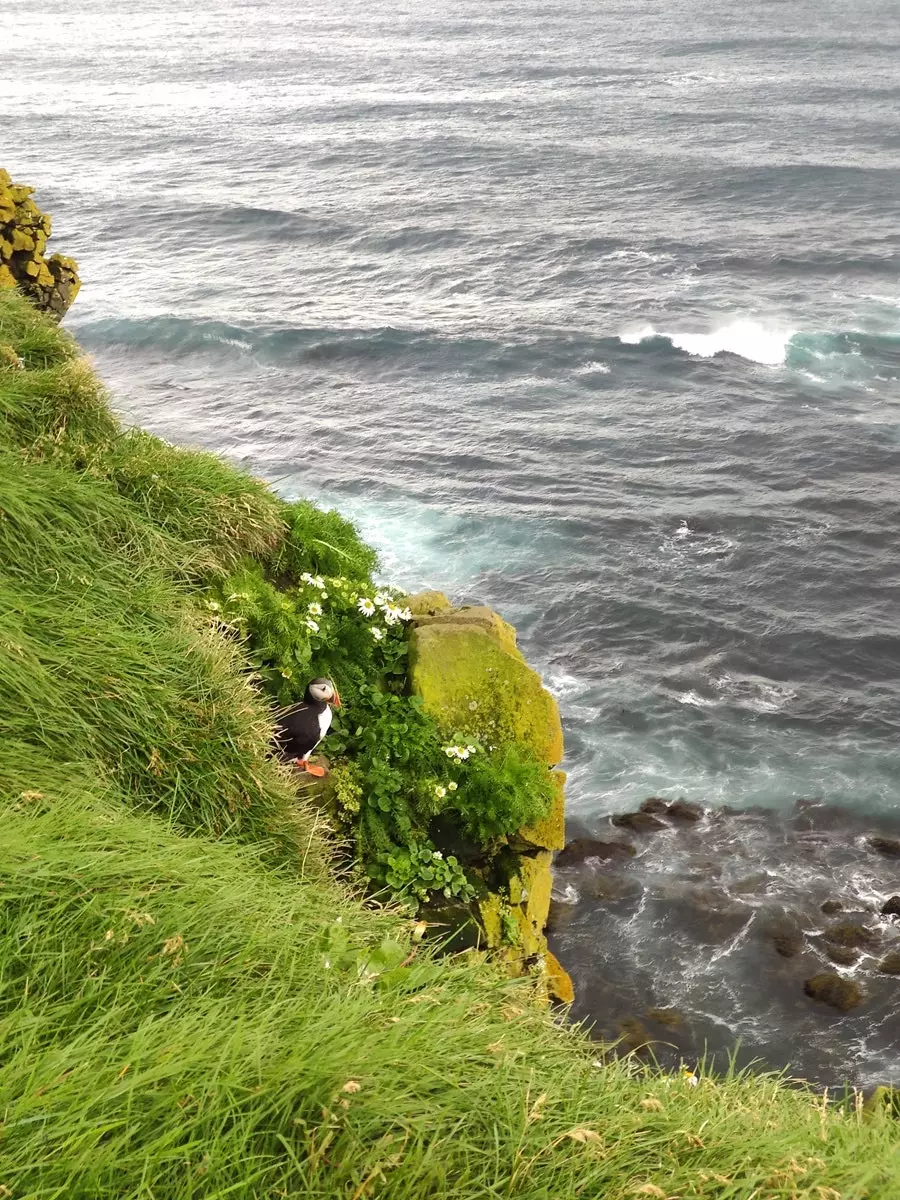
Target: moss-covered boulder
point(50, 283)
point(834, 990)
point(474, 684)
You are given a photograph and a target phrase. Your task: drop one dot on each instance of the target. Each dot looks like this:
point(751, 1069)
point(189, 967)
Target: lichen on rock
point(51, 284)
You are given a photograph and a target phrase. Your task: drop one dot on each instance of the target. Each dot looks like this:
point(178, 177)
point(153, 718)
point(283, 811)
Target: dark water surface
point(589, 310)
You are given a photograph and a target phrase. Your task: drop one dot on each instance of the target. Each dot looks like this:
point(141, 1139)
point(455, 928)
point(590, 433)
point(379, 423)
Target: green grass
point(192, 1005)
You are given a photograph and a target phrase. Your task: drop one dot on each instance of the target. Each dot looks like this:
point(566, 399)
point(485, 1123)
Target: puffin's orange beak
point(336, 702)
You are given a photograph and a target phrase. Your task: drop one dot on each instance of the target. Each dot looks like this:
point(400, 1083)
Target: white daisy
point(377, 633)
point(437, 854)
point(315, 610)
point(311, 624)
point(391, 614)
point(440, 792)
point(365, 606)
point(382, 599)
point(318, 582)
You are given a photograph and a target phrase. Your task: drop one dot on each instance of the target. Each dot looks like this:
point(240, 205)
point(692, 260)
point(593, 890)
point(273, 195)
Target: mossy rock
point(550, 832)
point(479, 615)
point(559, 982)
point(884, 1099)
point(427, 603)
point(535, 883)
point(851, 933)
point(834, 990)
point(22, 240)
point(7, 279)
point(471, 684)
point(890, 964)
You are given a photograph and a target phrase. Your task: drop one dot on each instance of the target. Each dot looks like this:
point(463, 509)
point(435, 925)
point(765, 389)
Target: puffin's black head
point(322, 691)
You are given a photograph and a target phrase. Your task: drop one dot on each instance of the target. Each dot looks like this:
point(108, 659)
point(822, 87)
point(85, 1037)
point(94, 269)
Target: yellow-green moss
point(471, 684)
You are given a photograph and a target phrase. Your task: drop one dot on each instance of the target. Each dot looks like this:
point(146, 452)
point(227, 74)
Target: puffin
point(300, 728)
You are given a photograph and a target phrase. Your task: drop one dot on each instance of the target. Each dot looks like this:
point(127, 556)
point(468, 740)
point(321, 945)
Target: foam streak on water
point(589, 312)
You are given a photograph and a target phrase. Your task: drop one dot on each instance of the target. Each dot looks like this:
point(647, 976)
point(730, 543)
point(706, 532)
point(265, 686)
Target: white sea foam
point(749, 339)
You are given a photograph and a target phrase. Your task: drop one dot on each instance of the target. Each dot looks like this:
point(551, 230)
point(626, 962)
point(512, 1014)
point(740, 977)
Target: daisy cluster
point(440, 791)
point(391, 613)
point(460, 753)
point(315, 608)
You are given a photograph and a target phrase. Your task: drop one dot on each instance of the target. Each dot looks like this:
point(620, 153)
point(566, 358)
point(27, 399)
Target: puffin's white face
point(324, 691)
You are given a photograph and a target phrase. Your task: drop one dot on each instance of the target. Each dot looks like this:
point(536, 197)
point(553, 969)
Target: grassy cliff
point(192, 1003)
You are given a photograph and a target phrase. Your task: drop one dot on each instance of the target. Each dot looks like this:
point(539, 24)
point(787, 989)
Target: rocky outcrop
point(50, 283)
point(465, 665)
point(467, 669)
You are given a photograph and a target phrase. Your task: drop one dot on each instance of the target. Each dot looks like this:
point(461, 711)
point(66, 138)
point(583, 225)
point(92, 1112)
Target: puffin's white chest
point(325, 721)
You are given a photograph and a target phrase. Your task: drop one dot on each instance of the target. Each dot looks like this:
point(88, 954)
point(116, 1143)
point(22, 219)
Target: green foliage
point(418, 870)
point(56, 414)
point(183, 1016)
point(501, 791)
point(39, 343)
point(322, 543)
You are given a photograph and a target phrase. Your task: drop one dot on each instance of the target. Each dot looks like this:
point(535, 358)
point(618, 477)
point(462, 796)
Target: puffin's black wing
point(297, 730)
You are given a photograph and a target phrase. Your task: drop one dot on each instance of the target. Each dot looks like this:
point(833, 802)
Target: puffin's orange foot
point(311, 768)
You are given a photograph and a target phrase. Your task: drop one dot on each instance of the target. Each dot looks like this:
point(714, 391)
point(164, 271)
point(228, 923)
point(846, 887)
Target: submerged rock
point(830, 907)
point(685, 810)
point(890, 964)
point(788, 941)
point(834, 990)
point(612, 887)
point(580, 849)
point(638, 822)
point(844, 956)
point(851, 933)
point(655, 805)
point(634, 1034)
point(884, 845)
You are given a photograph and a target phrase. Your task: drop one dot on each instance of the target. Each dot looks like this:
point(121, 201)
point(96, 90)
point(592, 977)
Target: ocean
point(587, 312)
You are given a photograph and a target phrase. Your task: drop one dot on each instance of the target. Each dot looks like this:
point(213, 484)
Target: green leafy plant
point(419, 870)
point(500, 791)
